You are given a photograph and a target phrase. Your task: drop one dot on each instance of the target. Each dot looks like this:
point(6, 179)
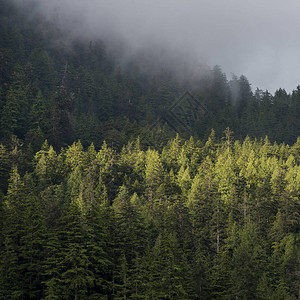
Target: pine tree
point(4, 168)
point(153, 173)
point(14, 115)
point(22, 254)
point(67, 264)
point(131, 239)
point(165, 270)
point(100, 249)
point(12, 233)
point(49, 166)
point(248, 263)
point(61, 125)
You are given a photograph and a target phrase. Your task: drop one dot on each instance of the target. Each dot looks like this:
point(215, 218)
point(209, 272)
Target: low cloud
point(256, 38)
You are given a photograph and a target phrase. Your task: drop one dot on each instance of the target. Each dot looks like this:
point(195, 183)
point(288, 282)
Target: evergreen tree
point(61, 124)
point(15, 111)
point(24, 239)
point(67, 263)
point(4, 168)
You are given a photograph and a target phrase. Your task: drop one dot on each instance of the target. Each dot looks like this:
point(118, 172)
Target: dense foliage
point(61, 89)
point(213, 221)
point(146, 214)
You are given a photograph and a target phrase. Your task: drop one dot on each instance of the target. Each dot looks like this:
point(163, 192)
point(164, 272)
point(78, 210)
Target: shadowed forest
point(112, 188)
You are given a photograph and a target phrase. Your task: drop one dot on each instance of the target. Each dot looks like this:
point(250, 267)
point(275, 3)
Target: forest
point(120, 183)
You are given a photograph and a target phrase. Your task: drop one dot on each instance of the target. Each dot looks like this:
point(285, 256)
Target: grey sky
point(257, 38)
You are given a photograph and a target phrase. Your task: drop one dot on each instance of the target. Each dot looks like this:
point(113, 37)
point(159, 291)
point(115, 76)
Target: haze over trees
point(100, 198)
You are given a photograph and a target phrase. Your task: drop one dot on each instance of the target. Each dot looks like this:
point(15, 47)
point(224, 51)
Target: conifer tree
point(67, 263)
point(61, 125)
point(4, 168)
point(24, 239)
point(248, 263)
point(14, 115)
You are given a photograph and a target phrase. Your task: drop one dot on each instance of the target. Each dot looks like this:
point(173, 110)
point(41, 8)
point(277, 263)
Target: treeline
point(62, 90)
point(218, 220)
point(158, 218)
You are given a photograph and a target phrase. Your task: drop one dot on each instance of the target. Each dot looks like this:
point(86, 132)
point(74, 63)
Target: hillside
point(212, 221)
point(121, 181)
point(62, 89)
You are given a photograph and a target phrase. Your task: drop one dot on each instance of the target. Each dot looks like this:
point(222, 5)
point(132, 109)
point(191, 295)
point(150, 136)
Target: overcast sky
point(259, 38)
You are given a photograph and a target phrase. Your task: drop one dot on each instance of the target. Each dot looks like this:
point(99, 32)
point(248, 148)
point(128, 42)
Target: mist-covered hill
point(139, 174)
point(61, 87)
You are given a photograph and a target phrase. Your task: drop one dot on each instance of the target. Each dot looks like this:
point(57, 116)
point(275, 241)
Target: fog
point(257, 38)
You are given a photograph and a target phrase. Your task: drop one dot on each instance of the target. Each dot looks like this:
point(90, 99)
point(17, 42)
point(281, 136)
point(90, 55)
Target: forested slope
point(101, 199)
point(63, 89)
point(213, 221)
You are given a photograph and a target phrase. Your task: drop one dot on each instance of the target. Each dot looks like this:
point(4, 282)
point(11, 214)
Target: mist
point(258, 39)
